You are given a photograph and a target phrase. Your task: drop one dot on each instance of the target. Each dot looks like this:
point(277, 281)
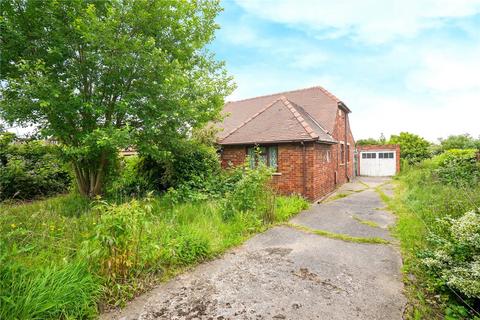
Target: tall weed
point(50, 292)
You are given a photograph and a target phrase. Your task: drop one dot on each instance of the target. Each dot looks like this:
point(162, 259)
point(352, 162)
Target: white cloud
point(447, 71)
point(307, 60)
point(371, 21)
point(374, 114)
point(292, 51)
point(261, 79)
point(426, 85)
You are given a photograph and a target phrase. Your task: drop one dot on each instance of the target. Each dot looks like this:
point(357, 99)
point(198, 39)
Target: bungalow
point(304, 135)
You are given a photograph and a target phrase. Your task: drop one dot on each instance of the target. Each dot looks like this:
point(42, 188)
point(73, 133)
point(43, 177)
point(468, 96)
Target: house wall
point(340, 135)
point(313, 180)
point(395, 147)
point(323, 170)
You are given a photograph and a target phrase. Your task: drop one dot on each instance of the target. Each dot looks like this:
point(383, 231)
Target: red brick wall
point(395, 147)
point(341, 121)
point(323, 170)
point(317, 177)
point(318, 172)
point(233, 156)
point(291, 170)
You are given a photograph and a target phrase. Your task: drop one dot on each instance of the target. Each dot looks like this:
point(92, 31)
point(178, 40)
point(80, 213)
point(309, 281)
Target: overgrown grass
point(64, 257)
point(420, 201)
point(47, 292)
point(338, 236)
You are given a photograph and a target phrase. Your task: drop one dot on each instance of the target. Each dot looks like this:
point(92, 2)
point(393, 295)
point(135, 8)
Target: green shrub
point(454, 255)
point(252, 193)
point(188, 164)
point(431, 208)
point(31, 169)
point(189, 172)
point(119, 239)
point(458, 167)
point(130, 180)
point(65, 292)
point(413, 147)
point(461, 141)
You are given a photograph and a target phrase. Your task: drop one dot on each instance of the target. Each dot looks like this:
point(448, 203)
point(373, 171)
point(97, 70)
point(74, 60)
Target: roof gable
point(278, 121)
point(316, 105)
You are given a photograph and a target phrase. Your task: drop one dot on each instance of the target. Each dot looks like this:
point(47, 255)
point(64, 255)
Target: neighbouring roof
point(300, 115)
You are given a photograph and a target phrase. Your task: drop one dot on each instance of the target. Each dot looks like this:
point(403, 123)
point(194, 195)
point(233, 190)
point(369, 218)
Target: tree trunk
point(90, 175)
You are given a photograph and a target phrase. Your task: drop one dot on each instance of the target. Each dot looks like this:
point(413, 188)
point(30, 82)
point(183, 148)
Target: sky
point(399, 65)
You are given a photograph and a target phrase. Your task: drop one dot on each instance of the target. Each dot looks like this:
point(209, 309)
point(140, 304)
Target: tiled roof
point(305, 114)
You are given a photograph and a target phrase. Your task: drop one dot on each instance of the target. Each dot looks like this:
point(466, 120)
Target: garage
point(378, 162)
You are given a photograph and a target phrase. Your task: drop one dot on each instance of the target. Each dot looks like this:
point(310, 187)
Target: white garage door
point(378, 163)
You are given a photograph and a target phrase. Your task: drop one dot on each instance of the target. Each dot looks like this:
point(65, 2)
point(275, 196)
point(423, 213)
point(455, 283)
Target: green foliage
point(126, 247)
point(432, 228)
point(458, 167)
point(130, 179)
point(413, 148)
point(191, 172)
point(119, 236)
point(371, 141)
point(462, 141)
point(251, 193)
point(103, 75)
point(186, 248)
point(50, 292)
point(454, 255)
point(30, 169)
point(189, 164)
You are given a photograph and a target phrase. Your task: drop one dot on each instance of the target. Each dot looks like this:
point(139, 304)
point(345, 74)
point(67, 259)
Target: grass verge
point(67, 258)
point(419, 202)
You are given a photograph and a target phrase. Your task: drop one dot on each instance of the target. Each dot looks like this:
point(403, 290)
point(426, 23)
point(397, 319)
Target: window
point(327, 156)
point(348, 153)
point(342, 153)
point(369, 155)
point(267, 155)
point(385, 155)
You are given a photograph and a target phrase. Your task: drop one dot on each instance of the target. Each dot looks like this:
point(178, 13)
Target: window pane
point(262, 158)
point(364, 155)
point(272, 157)
point(251, 157)
point(374, 155)
point(391, 155)
point(380, 155)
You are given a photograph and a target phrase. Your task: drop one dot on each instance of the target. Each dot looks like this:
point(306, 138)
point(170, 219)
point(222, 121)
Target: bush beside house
point(31, 169)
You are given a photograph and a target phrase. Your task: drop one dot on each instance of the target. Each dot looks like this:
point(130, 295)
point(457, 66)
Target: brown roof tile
point(311, 116)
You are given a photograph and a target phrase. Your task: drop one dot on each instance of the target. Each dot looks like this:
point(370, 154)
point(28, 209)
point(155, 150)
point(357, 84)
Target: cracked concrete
point(288, 274)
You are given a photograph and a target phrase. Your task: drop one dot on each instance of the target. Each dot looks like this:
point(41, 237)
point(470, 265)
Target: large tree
point(102, 75)
point(413, 148)
point(461, 141)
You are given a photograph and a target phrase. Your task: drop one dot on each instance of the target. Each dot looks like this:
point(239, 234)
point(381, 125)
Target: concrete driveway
point(290, 272)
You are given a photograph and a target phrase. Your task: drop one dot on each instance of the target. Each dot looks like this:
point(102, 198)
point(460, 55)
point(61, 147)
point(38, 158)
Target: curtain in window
point(251, 157)
point(272, 157)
